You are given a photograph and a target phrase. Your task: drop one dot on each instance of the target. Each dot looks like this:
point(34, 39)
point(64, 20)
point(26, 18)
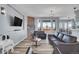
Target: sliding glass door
point(47, 25)
point(65, 24)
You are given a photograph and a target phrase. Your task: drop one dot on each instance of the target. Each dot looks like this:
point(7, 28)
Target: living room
point(39, 28)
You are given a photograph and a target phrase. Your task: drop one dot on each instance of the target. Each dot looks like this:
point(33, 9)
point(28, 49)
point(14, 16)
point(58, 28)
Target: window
point(46, 25)
point(54, 25)
point(65, 24)
point(70, 24)
point(77, 24)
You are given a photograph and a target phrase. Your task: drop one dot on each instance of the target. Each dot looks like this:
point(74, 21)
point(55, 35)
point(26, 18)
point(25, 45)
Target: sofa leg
point(36, 43)
point(55, 51)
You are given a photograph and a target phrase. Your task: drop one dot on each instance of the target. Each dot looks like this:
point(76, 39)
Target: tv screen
point(17, 21)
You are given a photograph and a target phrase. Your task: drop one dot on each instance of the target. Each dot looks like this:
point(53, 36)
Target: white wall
point(5, 27)
point(11, 12)
point(3, 24)
point(36, 22)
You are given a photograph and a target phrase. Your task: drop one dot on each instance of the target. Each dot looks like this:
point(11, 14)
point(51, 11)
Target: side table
point(36, 39)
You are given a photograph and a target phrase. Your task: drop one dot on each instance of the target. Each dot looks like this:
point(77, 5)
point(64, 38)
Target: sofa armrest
point(62, 43)
point(68, 47)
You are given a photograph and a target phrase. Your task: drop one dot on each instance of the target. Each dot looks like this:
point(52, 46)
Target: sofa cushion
point(60, 36)
point(69, 39)
point(53, 39)
point(56, 34)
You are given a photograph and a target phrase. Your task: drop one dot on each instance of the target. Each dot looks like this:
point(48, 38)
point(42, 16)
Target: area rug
point(44, 48)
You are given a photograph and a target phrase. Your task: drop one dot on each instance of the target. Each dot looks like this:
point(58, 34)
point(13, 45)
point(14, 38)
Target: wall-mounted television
point(17, 21)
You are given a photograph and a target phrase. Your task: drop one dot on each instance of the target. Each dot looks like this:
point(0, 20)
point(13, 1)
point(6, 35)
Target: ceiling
point(40, 10)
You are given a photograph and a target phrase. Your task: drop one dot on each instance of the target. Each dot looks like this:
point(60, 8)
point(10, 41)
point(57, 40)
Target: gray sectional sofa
point(64, 43)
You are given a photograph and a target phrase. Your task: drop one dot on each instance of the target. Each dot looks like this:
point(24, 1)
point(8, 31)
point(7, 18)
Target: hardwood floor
point(23, 46)
point(44, 48)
